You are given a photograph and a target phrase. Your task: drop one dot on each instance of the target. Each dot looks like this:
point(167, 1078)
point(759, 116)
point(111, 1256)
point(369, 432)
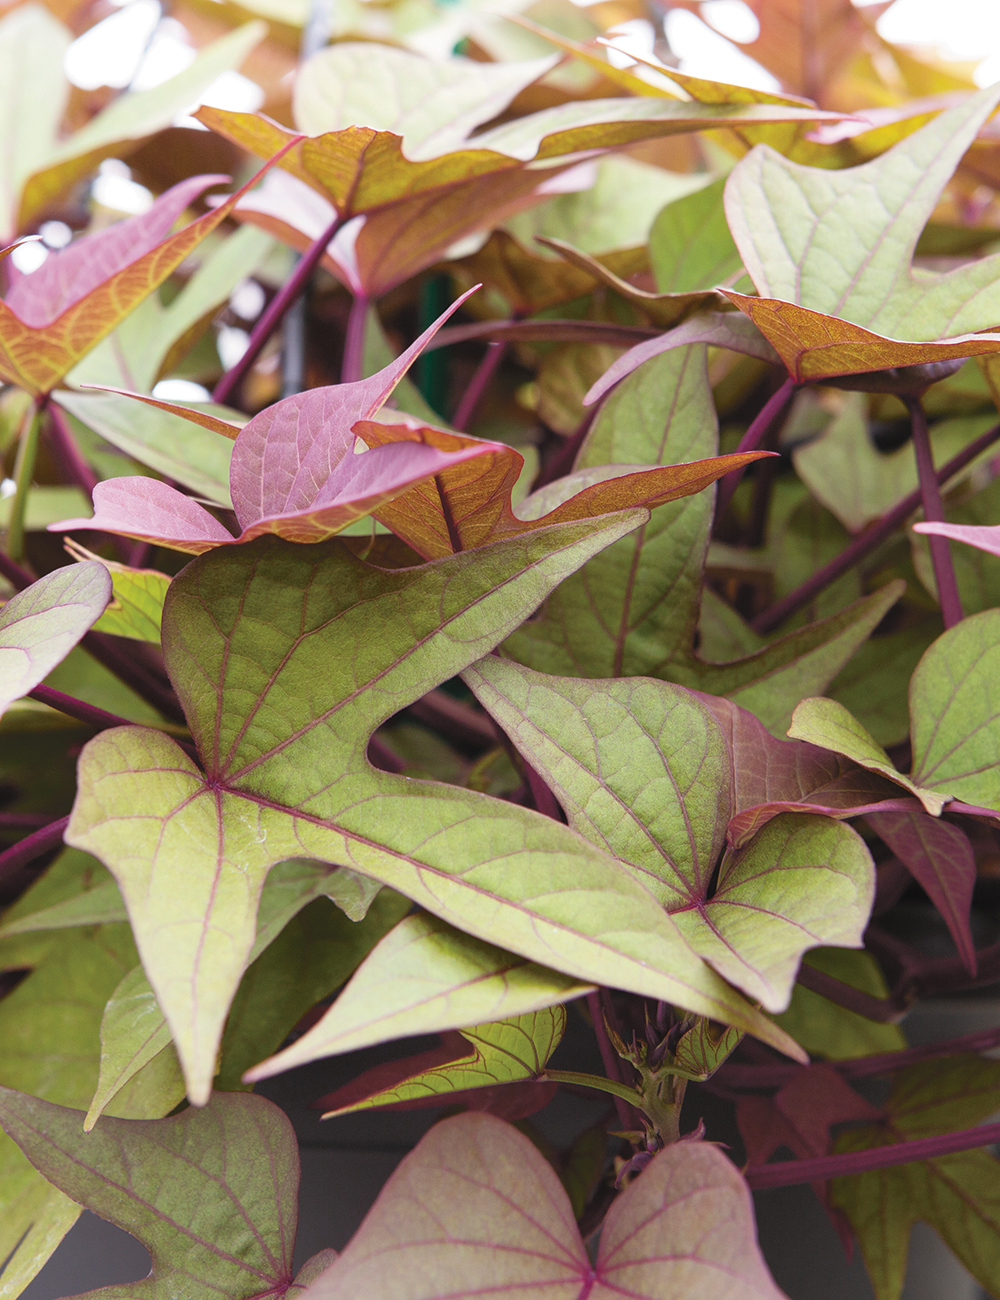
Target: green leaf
point(827, 1030)
point(305, 651)
point(196, 457)
point(76, 890)
point(314, 954)
point(955, 1194)
point(690, 246)
point(646, 589)
point(212, 1194)
point(424, 977)
point(136, 608)
point(48, 1025)
point(842, 242)
point(828, 724)
point(507, 1051)
point(33, 95)
point(40, 625)
point(953, 704)
point(476, 1209)
point(642, 769)
point(133, 1029)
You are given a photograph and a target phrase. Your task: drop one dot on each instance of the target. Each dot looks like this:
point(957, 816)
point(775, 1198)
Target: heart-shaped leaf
point(469, 504)
point(160, 1179)
point(287, 775)
point(293, 470)
point(476, 1207)
point(40, 625)
point(503, 1052)
point(642, 769)
point(424, 977)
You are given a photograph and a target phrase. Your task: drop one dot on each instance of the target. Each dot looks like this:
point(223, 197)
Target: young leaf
point(641, 768)
point(469, 504)
point(424, 977)
point(503, 1052)
point(283, 731)
point(955, 1194)
point(827, 723)
point(54, 316)
point(40, 625)
point(161, 1180)
point(476, 1207)
point(293, 471)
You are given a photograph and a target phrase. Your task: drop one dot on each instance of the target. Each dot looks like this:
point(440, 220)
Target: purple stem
point(68, 453)
point(612, 1062)
point(353, 364)
point(544, 800)
point(785, 1173)
point(881, 1010)
point(12, 571)
point(275, 313)
point(930, 496)
point(874, 535)
point(129, 669)
point(759, 1077)
point(22, 821)
point(380, 755)
point(32, 846)
point(768, 419)
point(478, 385)
point(462, 724)
point(99, 719)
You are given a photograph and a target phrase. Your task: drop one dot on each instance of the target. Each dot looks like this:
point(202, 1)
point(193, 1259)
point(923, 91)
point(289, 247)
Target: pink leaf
point(978, 535)
point(939, 857)
point(151, 511)
point(476, 1210)
point(294, 470)
point(70, 274)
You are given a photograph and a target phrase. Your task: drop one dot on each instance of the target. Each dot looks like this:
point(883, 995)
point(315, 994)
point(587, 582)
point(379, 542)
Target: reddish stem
point(785, 1173)
point(881, 1010)
point(99, 719)
point(23, 821)
point(768, 419)
point(610, 1058)
point(68, 453)
point(930, 496)
point(478, 385)
point(12, 571)
point(129, 669)
point(463, 725)
point(275, 313)
point(544, 800)
point(32, 846)
point(874, 535)
point(353, 365)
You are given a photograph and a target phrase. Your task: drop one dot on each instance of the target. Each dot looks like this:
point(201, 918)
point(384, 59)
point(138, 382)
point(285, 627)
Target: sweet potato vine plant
point(442, 668)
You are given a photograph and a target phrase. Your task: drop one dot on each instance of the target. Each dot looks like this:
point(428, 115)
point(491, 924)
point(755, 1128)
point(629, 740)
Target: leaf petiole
point(595, 1081)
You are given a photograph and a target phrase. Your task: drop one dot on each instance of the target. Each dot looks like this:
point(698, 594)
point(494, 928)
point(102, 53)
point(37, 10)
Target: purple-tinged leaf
point(212, 1194)
point(67, 276)
point(294, 470)
point(286, 659)
point(41, 625)
point(641, 768)
point(800, 1115)
point(719, 329)
point(476, 1210)
point(983, 537)
point(940, 858)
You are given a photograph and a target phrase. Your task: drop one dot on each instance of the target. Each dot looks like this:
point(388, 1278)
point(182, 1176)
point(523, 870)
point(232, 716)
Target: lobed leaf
point(641, 768)
point(161, 1180)
point(476, 1206)
point(263, 645)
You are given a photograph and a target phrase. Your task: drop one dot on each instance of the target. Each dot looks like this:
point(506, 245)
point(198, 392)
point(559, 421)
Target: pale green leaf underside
point(425, 977)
